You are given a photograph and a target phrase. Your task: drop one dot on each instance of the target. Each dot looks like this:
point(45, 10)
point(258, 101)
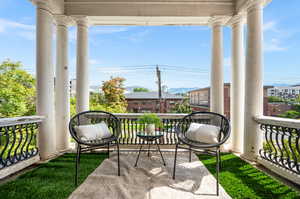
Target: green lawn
point(54, 179)
point(241, 180)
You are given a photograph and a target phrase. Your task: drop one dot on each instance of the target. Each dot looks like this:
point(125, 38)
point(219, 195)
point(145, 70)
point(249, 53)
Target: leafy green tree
point(140, 90)
point(113, 91)
point(183, 107)
point(72, 106)
point(17, 90)
point(98, 102)
point(275, 99)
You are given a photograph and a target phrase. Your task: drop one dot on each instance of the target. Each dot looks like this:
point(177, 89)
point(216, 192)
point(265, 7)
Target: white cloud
point(4, 24)
point(270, 26)
point(273, 37)
point(23, 30)
point(273, 45)
point(138, 36)
point(27, 35)
point(93, 61)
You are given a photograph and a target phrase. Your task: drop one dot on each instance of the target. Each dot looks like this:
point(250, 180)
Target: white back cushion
point(203, 133)
point(93, 131)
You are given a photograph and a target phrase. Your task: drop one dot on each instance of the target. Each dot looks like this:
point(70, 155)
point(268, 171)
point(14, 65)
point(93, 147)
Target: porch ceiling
point(150, 12)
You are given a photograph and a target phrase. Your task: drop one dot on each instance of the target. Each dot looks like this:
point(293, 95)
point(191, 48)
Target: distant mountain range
point(130, 89)
point(181, 90)
point(281, 84)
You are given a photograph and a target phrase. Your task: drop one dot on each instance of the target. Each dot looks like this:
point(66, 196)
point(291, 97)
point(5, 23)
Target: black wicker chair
point(192, 145)
point(94, 117)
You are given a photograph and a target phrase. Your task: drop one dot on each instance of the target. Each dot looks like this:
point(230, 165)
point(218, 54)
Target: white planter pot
point(150, 128)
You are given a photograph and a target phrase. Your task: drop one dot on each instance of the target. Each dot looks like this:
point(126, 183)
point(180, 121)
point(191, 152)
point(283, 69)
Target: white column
point(237, 85)
point(62, 84)
point(45, 80)
point(82, 69)
point(254, 80)
point(217, 79)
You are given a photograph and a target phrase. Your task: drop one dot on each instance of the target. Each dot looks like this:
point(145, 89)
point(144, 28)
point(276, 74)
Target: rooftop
point(151, 95)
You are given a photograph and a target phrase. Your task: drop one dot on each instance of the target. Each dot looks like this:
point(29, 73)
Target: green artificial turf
point(242, 180)
point(54, 179)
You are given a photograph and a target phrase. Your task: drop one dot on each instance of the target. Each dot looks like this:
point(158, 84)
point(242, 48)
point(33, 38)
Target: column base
point(249, 157)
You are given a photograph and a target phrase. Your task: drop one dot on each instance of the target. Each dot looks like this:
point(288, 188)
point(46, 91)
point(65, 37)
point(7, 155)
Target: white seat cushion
point(203, 133)
point(93, 131)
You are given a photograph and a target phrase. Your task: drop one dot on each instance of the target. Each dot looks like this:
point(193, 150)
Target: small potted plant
point(151, 121)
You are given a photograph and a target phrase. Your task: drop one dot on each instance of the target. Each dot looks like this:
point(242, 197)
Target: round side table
point(150, 138)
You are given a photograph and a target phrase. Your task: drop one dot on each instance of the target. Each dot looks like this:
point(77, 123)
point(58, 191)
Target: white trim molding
point(278, 121)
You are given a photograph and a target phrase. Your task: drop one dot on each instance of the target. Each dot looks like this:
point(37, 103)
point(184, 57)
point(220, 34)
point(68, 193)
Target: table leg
point(137, 159)
point(149, 148)
point(162, 157)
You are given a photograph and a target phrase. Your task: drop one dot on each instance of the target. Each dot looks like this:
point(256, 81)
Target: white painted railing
point(18, 143)
point(281, 147)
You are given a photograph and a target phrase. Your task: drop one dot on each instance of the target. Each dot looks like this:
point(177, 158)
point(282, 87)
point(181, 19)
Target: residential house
point(139, 102)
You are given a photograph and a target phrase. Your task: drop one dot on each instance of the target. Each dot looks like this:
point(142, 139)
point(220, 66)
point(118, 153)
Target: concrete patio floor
point(150, 179)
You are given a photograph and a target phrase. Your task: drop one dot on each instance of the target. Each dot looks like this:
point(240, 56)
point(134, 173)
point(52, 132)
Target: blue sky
point(182, 51)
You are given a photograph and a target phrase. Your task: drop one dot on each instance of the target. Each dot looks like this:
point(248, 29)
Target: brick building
point(139, 102)
point(199, 101)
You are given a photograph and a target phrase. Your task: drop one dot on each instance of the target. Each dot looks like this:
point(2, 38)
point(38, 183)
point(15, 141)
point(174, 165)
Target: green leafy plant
point(150, 118)
point(287, 150)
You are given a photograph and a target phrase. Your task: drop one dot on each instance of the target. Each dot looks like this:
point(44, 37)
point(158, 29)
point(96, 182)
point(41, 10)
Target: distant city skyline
point(182, 52)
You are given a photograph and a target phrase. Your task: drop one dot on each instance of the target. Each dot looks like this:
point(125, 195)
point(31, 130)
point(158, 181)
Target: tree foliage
point(292, 114)
point(113, 91)
point(17, 90)
point(275, 99)
point(111, 99)
point(140, 90)
point(183, 107)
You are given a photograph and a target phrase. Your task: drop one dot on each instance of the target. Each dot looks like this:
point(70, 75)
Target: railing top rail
point(136, 115)
point(277, 121)
point(20, 120)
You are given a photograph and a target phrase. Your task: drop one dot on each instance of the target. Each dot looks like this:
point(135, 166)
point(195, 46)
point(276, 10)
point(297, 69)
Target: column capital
point(218, 20)
point(81, 20)
point(43, 4)
point(236, 19)
point(256, 4)
point(63, 20)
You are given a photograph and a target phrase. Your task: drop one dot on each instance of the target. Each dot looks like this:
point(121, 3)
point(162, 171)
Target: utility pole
point(159, 87)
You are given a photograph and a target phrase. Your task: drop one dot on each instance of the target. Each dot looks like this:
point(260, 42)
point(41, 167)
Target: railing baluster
point(19, 141)
point(23, 153)
point(16, 144)
point(281, 145)
point(278, 144)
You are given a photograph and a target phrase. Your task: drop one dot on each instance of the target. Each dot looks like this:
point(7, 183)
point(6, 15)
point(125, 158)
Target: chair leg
point(118, 149)
point(190, 154)
point(108, 150)
point(218, 170)
point(174, 169)
point(149, 148)
point(162, 157)
point(77, 164)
